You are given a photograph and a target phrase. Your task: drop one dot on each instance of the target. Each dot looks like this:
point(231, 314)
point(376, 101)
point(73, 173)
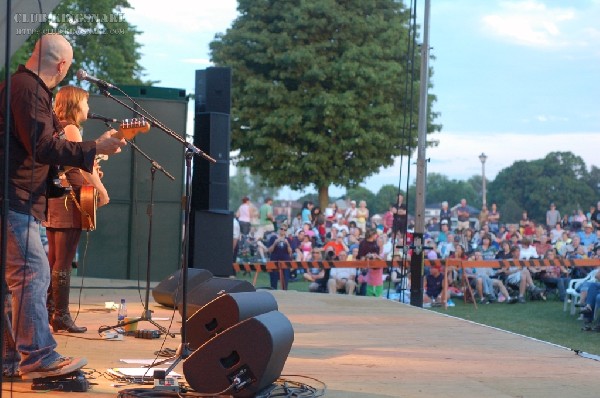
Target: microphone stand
point(147, 314)
point(183, 350)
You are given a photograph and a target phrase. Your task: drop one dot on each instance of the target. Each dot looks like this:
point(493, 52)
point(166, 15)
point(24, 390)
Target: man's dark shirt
point(32, 144)
point(400, 220)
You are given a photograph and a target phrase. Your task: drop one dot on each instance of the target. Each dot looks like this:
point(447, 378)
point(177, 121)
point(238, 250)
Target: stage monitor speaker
point(224, 312)
point(211, 241)
point(168, 291)
point(204, 293)
point(213, 90)
point(210, 182)
point(253, 351)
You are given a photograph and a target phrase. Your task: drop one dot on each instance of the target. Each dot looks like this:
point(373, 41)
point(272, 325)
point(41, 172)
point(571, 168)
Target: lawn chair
point(572, 294)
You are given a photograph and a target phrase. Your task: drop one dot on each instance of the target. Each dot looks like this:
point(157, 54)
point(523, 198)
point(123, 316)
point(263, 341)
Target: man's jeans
point(28, 278)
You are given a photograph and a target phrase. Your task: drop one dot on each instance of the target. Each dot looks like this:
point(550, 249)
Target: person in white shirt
point(527, 250)
point(342, 278)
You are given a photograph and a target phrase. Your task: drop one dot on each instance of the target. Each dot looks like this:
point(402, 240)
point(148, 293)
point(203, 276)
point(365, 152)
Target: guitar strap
point(83, 212)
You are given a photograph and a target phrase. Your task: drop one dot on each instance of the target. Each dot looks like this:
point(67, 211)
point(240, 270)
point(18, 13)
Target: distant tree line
point(561, 178)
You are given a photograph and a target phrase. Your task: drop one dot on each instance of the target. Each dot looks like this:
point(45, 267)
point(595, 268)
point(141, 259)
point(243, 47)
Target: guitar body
point(88, 200)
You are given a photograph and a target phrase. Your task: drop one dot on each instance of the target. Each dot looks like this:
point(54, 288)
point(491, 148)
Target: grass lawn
point(543, 320)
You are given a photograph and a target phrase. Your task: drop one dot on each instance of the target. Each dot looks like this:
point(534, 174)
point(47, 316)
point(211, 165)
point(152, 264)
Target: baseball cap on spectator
point(445, 222)
point(353, 202)
point(589, 226)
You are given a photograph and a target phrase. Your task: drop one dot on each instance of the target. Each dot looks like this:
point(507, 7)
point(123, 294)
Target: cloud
point(531, 23)
point(184, 16)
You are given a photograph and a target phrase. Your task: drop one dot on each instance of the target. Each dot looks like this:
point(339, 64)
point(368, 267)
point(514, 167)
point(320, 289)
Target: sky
point(514, 79)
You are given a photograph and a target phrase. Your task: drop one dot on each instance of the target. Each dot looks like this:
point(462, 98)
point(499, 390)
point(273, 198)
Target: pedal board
point(72, 382)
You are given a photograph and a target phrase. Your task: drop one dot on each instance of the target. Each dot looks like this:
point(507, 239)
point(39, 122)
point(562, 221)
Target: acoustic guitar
point(88, 197)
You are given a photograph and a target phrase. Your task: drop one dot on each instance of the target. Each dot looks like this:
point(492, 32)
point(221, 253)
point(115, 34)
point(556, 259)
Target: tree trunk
point(323, 197)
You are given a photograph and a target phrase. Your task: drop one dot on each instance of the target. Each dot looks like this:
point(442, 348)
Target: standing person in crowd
point(369, 249)
point(318, 220)
point(552, 217)
point(463, 215)
point(400, 215)
point(281, 250)
point(63, 223)
point(388, 219)
point(265, 218)
point(244, 215)
point(595, 217)
point(494, 219)
point(483, 215)
point(351, 213)
point(362, 215)
point(307, 212)
point(32, 149)
point(445, 213)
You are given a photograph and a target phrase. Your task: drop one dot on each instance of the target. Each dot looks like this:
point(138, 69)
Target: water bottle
point(122, 314)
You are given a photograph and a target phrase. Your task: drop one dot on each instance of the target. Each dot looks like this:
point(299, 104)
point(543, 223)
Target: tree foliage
point(440, 188)
point(103, 47)
point(560, 177)
point(319, 89)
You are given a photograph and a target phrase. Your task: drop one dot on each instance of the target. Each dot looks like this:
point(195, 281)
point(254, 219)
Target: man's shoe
point(522, 300)
point(512, 300)
point(60, 367)
point(587, 310)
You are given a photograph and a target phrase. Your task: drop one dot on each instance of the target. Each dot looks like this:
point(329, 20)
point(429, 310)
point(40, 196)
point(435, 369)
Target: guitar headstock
point(129, 128)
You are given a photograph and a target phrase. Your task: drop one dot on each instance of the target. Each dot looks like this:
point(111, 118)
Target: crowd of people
point(353, 234)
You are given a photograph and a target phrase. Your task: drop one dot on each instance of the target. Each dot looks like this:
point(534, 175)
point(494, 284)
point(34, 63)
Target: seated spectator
point(555, 276)
point(542, 245)
point(588, 236)
point(336, 244)
point(487, 250)
point(592, 302)
point(527, 250)
point(434, 283)
point(515, 275)
point(340, 224)
point(504, 252)
point(342, 278)
point(556, 233)
point(316, 276)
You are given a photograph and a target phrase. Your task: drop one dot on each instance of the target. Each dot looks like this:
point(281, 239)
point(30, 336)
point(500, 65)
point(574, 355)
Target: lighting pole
point(483, 158)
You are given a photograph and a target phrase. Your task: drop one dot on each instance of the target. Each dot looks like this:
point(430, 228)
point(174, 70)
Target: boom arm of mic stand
point(156, 123)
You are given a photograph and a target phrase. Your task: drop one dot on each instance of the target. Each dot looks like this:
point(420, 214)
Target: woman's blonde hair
point(66, 103)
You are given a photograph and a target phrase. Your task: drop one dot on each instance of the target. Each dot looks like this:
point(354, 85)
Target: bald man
point(34, 146)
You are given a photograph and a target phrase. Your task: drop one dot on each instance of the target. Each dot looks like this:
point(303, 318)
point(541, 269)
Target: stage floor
point(357, 346)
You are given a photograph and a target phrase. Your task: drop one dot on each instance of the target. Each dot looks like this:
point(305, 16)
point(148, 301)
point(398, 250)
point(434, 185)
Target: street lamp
point(483, 158)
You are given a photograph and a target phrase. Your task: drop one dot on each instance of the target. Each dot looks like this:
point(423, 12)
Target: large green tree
point(560, 177)
point(103, 41)
point(320, 89)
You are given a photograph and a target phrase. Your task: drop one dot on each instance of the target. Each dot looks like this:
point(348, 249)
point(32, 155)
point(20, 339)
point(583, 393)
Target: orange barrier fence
point(306, 265)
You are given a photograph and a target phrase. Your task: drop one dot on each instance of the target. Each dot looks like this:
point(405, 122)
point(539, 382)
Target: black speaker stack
point(211, 231)
point(239, 339)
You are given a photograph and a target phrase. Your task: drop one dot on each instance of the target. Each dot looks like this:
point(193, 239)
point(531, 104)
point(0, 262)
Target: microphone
point(82, 75)
point(91, 115)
